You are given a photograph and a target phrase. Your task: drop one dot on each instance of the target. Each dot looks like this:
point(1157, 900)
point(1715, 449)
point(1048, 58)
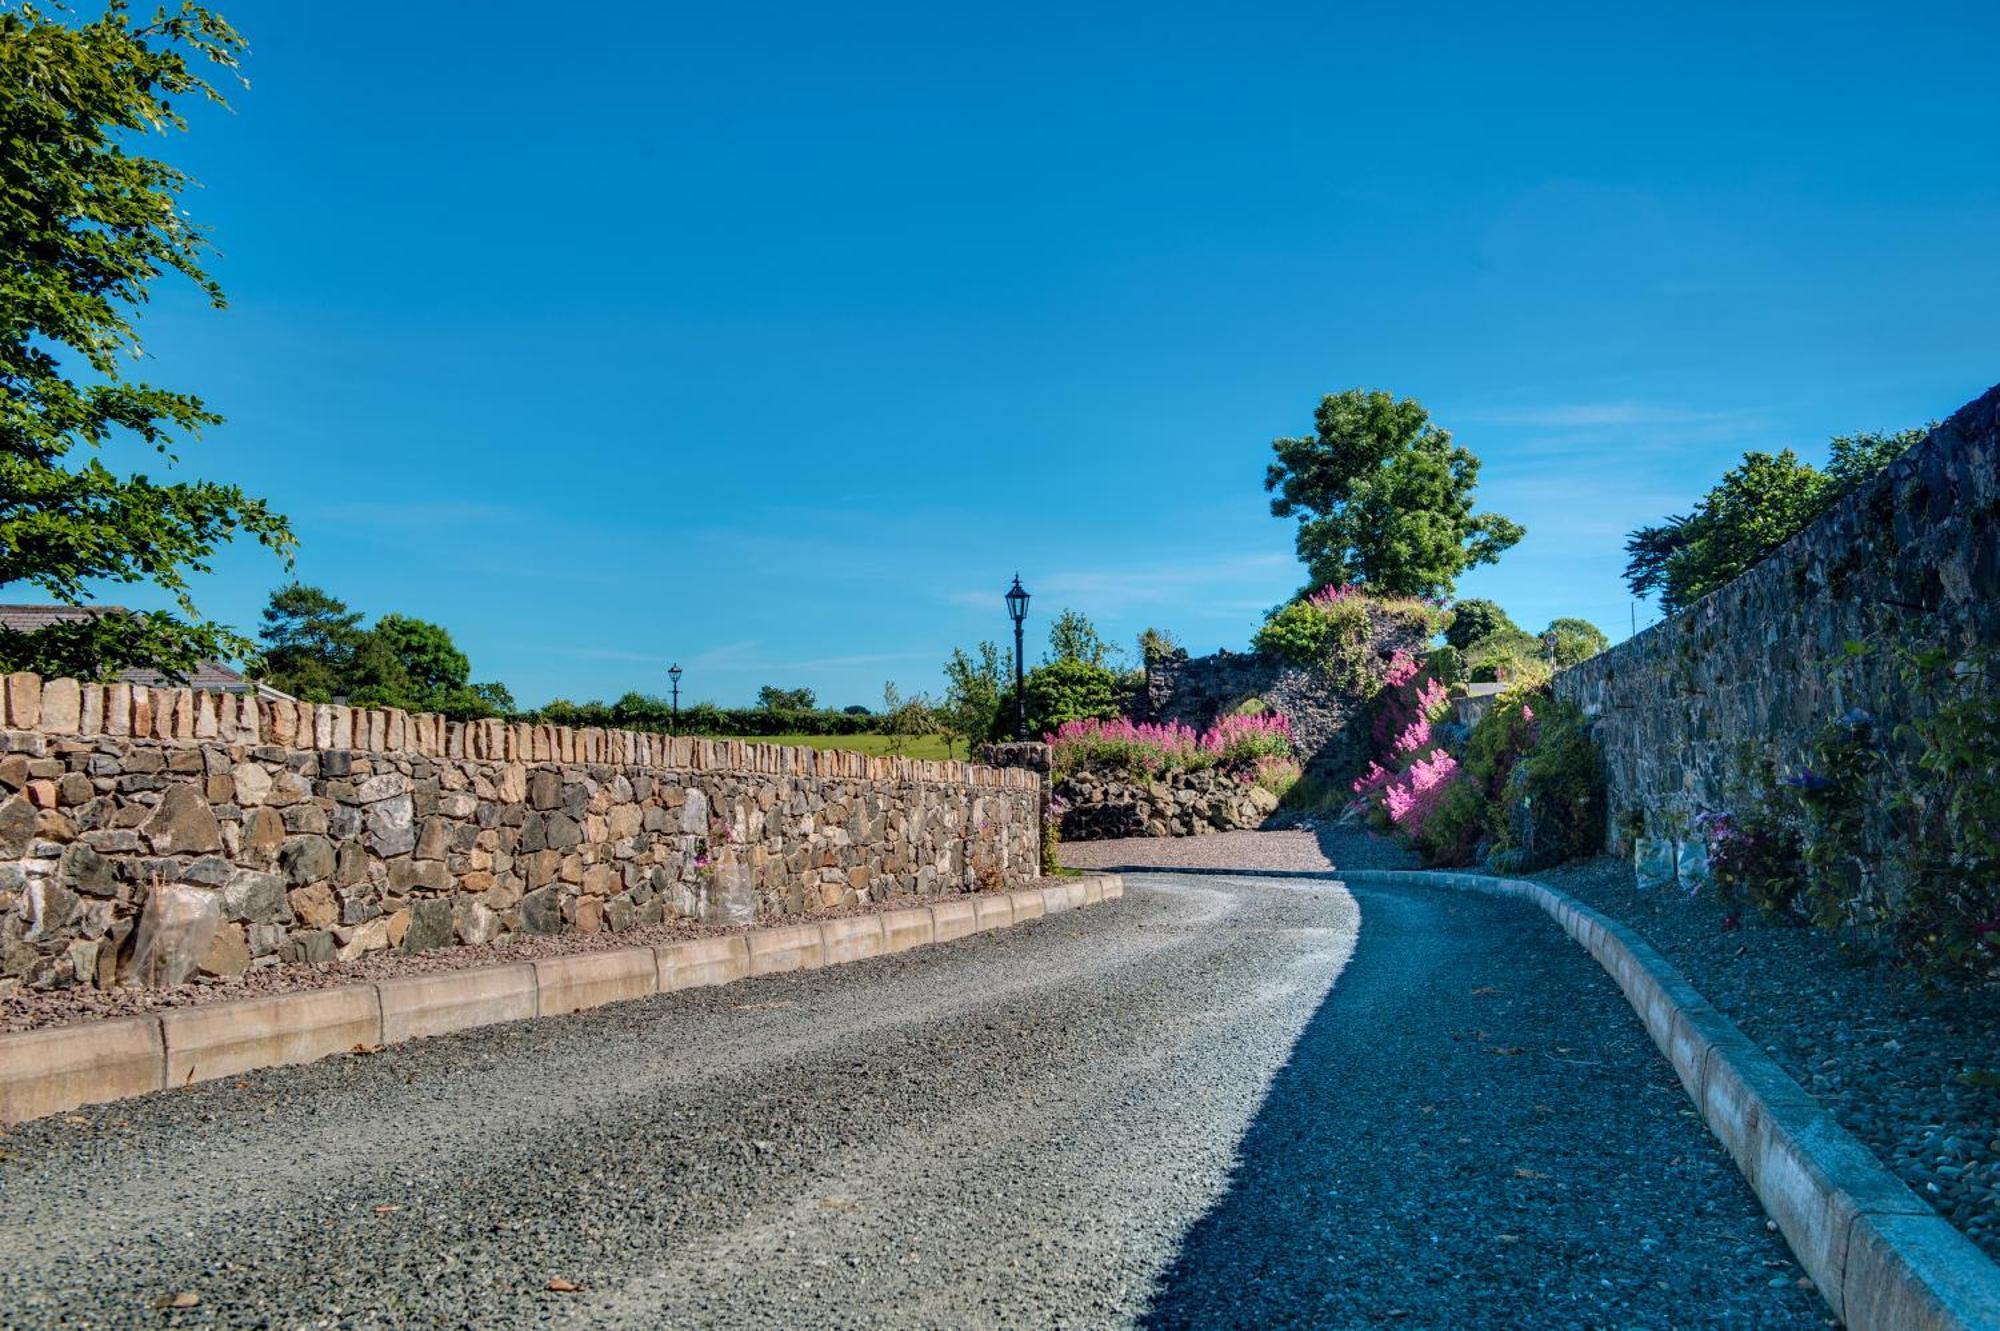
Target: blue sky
point(774, 339)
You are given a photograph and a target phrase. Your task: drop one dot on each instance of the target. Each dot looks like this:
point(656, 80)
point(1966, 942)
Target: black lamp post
point(1017, 607)
point(674, 674)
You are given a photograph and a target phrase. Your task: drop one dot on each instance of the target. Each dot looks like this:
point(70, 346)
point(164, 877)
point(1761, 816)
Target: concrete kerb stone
point(786, 948)
point(993, 910)
point(592, 979)
point(1029, 904)
point(48, 1071)
point(1916, 1272)
point(701, 962)
point(1881, 1258)
point(854, 938)
point(424, 1005)
point(953, 920)
point(905, 929)
point(224, 1039)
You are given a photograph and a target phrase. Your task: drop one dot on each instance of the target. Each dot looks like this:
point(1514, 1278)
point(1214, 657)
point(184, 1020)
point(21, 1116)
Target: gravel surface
point(1015, 1129)
point(1325, 848)
point(1900, 1068)
point(25, 1010)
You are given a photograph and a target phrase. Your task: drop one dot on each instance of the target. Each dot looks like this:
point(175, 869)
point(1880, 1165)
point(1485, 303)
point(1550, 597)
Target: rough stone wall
point(1098, 805)
point(1689, 710)
point(324, 832)
point(1329, 723)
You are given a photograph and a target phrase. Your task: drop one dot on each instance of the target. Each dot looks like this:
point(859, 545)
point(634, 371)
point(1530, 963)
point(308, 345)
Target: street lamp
point(674, 674)
point(1017, 607)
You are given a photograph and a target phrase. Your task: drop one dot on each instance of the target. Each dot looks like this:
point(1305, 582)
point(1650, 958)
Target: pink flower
point(1527, 712)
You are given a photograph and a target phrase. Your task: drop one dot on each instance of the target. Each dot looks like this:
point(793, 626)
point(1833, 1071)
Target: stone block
point(48, 1071)
point(1067, 895)
point(1814, 1179)
point(1916, 1273)
point(700, 962)
point(954, 919)
point(1029, 904)
point(62, 707)
point(993, 910)
point(592, 979)
point(1114, 886)
point(792, 947)
point(223, 1039)
point(420, 1005)
point(24, 700)
point(853, 938)
point(905, 929)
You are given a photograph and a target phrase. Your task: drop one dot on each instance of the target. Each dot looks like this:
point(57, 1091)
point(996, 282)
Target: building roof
point(210, 675)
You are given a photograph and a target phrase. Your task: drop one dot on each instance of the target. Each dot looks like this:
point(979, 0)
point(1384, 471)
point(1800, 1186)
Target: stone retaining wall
point(1691, 711)
point(316, 832)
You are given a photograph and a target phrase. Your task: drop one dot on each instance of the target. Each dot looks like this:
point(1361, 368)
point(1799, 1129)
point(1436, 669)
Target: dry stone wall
point(1690, 712)
point(309, 833)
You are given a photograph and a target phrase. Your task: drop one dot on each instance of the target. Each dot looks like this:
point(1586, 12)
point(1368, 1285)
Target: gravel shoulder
point(1914, 1074)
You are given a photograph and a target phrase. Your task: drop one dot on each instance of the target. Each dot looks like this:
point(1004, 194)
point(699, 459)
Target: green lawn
point(920, 746)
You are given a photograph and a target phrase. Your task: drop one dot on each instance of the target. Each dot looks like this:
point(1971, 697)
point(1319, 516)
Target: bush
point(1474, 619)
point(1066, 690)
point(1552, 807)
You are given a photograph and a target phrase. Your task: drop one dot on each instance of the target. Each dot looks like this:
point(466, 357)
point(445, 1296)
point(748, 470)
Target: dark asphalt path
point(1162, 1110)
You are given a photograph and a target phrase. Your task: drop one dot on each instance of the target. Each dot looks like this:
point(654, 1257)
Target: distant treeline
point(638, 711)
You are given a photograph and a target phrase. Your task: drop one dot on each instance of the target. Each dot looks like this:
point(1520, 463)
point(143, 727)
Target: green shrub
point(1066, 689)
point(1552, 806)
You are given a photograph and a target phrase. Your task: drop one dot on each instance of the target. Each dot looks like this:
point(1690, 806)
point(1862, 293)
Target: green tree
point(774, 699)
point(1072, 637)
point(1854, 458)
point(87, 224)
point(973, 688)
point(310, 638)
point(1576, 640)
point(1758, 505)
point(1476, 618)
point(1065, 689)
point(1384, 497)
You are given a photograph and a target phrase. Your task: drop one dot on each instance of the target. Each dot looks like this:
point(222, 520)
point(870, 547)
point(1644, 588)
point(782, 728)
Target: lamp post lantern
point(1017, 607)
point(674, 674)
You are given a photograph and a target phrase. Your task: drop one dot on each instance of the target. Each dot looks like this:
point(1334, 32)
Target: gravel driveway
point(1151, 1111)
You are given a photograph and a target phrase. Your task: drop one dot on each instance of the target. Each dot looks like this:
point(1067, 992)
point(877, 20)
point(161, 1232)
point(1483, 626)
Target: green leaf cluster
point(88, 222)
point(1757, 506)
point(1383, 497)
point(316, 649)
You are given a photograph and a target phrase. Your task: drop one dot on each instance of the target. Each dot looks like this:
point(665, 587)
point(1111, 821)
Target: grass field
point(918, 746)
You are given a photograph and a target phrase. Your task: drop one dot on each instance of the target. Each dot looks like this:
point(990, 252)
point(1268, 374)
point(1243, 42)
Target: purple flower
point(1811, 782)
point(1856, 718)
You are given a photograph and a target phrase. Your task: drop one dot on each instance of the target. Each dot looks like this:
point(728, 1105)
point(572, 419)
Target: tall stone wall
point(1690, 712)
point(322, 832)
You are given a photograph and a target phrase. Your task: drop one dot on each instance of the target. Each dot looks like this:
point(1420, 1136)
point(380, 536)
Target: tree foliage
point(1072, 637)
point(316, 649)
point(1758, 505)
point(974, 685)
point(1476, 618)
point(1575, 640)
point(774, 699)
point(87, 224)
point(1383, 497)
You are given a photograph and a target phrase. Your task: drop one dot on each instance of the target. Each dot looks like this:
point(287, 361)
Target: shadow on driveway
point(1473, 1131)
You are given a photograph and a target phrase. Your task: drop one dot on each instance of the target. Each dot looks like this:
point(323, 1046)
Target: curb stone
point(56, 1068)
point(1881, 1258)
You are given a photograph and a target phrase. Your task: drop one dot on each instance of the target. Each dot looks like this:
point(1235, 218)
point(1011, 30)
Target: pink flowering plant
point(1148, 749)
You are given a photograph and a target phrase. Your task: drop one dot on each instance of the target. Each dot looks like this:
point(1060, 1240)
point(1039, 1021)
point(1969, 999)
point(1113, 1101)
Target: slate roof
point(210, 675)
